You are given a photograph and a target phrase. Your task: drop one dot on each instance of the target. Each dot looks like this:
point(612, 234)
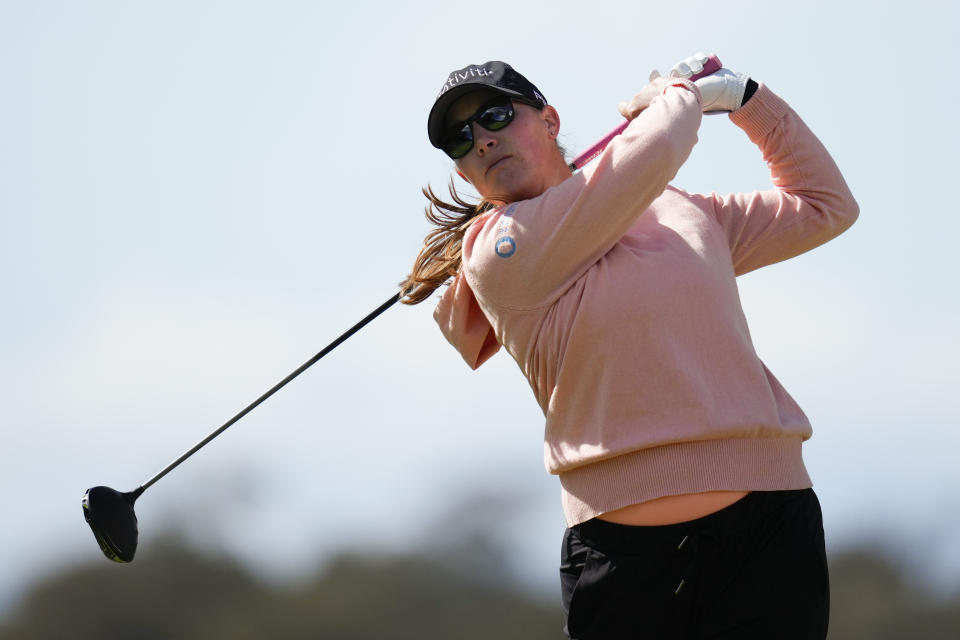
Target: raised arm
point(526, 254)
point(810, 203)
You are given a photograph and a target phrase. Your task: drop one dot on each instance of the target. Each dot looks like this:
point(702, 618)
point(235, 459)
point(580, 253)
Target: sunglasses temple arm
point(712, 65)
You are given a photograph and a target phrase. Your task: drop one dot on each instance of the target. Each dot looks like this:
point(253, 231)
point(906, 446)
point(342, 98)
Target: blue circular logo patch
point(506, 247)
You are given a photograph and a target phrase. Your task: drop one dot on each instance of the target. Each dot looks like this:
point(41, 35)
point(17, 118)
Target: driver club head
point(110, 515)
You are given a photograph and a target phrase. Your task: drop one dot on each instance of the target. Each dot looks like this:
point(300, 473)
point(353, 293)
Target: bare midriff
point(673, 509)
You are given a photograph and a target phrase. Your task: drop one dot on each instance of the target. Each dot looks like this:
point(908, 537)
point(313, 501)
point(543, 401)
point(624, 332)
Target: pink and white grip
point(712, 65)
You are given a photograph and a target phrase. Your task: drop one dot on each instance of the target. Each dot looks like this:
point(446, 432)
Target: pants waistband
point(740, 515)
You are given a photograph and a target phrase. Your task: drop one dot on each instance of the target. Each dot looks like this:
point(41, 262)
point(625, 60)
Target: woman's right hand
point(634, 107)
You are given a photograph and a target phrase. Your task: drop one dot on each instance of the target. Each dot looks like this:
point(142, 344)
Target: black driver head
point(110, 515)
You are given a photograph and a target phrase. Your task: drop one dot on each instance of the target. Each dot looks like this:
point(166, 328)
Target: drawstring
point(694, 542)
point(676, 591)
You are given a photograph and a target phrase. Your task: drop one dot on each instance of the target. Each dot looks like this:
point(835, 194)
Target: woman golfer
point(689, 510)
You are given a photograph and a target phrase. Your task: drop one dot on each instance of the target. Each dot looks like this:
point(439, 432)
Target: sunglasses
point(493, 116)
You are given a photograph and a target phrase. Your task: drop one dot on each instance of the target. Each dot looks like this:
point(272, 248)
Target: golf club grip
point(253, 405)
point(712, 65)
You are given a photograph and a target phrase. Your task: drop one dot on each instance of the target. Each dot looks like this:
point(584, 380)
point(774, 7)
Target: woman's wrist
point(750, 89)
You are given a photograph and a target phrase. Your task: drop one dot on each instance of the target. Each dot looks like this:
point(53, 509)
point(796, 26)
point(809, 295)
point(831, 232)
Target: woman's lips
point(497, 163)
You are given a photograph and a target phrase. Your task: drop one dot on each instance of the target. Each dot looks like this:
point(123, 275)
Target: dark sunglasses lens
point(496, 118)
point(458, 143)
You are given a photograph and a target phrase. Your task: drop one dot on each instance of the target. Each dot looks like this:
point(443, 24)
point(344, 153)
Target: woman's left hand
point(722, 90)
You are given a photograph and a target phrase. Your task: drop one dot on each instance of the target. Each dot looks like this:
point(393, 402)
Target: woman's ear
point(465, 179)
point(552, 120)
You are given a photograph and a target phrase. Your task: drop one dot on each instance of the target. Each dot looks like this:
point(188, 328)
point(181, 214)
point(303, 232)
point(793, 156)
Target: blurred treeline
point(174, 592)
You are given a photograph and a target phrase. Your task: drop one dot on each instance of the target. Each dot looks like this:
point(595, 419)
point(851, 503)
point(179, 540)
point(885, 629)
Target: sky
point(196, 197)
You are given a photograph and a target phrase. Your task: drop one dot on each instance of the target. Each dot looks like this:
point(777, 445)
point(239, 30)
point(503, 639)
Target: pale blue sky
point(195, 197)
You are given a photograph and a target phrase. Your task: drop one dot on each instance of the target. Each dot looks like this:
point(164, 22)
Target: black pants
point(756, 569)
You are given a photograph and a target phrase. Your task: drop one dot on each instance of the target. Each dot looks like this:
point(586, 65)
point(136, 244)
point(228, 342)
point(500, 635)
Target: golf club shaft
point(712, 65)
point(253, 405)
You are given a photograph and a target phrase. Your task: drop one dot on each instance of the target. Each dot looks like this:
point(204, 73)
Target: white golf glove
point(721, 90)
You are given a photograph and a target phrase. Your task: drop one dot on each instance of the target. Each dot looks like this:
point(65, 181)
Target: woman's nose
point(485, 141)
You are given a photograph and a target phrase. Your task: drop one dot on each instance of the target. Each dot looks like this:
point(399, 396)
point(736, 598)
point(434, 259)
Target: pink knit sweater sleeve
point(462, 322)
point(525, 255)
point(811, 203)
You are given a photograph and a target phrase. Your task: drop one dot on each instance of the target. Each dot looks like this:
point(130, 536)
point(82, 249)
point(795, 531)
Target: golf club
point(110, 513)
point(712, 65)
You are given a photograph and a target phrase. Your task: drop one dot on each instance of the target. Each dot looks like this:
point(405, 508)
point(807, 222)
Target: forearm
point(811, 203)
point(559, 234)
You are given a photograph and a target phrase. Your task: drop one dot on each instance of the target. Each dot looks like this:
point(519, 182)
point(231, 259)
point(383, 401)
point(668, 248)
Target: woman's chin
point(507, 193)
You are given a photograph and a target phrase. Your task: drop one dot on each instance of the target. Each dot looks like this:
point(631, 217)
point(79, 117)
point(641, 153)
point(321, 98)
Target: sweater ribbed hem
point(689, 467)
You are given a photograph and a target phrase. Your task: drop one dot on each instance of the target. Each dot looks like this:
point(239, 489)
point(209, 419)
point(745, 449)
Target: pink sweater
point(616, 295)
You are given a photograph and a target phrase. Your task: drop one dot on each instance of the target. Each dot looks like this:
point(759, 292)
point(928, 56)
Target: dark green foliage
point(173, 592)
point(873, 599)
